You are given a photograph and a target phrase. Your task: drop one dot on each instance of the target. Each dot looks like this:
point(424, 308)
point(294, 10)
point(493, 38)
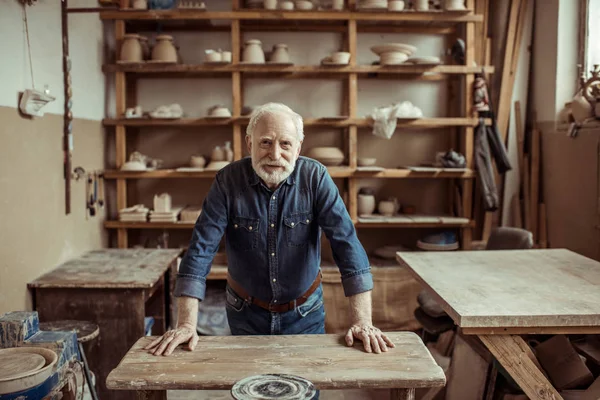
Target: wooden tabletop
point(110, 268)
point(553, 288)
point(218, 362)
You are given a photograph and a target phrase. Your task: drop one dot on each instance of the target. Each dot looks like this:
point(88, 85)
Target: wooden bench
point(220, 361)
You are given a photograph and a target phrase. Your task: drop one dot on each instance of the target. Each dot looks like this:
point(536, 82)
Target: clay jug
point(280, 54)
point(131, 49)
point(217, 154)
point(253, 52)
point(228, 152)
point(164, 50)
point(366, 204)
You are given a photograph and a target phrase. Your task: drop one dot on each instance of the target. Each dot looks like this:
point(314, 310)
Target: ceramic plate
point(391, 47)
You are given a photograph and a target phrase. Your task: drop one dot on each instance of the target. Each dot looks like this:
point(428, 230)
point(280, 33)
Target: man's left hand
point(373, 339)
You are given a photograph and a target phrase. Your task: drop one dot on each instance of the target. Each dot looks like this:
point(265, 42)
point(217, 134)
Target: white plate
point(393, 47)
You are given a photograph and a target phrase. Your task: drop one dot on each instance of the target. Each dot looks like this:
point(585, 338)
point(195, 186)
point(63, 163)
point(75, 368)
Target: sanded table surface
point(218, 362)
point(551, 288)
point(110, 268)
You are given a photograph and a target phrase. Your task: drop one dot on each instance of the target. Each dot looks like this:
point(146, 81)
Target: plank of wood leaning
point(402, 394)
point(511, 351)
point(220, 361)
point(151, 395)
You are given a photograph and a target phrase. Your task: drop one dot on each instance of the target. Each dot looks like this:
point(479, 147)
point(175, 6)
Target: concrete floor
point(325, 395)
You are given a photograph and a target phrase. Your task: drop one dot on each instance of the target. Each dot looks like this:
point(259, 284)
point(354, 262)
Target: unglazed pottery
point(280, 54)
point(340, 57)
point(164, 50)
point(366, 204)
point(253, 52)
point(131, 49)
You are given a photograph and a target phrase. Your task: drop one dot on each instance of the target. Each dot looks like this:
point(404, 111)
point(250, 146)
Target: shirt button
point(272, 225)
point(274, 280)
point(274, 301)
point(273, 197)
point(235, 226)
point(307, 221)
point(292, 224)
point(249, 228)
point(273, 254)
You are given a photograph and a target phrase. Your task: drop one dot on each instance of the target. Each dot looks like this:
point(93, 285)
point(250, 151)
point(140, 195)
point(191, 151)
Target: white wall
point(46, 51)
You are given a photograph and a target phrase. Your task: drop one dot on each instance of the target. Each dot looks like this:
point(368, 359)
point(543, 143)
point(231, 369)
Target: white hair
point(275, 108)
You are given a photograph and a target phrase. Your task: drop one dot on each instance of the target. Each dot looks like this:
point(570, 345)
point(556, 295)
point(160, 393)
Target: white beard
point(275, 177)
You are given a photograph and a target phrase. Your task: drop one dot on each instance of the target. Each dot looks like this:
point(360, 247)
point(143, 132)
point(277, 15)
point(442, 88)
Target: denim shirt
point(273, 236)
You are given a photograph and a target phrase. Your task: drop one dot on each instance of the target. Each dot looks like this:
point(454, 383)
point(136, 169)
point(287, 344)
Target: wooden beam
point(535, 182)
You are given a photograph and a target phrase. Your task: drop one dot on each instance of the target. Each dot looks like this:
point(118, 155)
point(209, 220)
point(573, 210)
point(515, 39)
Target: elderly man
point(271, 208)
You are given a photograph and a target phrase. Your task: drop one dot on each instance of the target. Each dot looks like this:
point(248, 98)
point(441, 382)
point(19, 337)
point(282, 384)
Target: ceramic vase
point(217, 154)
point(280, 54)
point(421, 5)
point(366, 204)
point(581, 108)
point(131, 50)
point(253, 52)
point(164, 50)
point(228, 152)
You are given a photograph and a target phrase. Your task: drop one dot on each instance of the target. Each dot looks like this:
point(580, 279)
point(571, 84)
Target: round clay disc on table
point(273, 387)
point(14, 366)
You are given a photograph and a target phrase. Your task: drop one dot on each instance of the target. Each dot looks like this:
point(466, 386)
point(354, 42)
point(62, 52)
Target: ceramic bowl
point(304, 5)
point(134, 166)
point(219, 111)
point(366, 161)
point(286, 5)
point(340, 57)
point(396, 5)
point(392, 58)
point(213, 56)
point(331, 156)
point(394, 47)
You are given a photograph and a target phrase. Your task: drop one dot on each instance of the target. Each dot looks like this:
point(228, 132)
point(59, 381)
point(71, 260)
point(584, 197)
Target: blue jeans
point(250, 319)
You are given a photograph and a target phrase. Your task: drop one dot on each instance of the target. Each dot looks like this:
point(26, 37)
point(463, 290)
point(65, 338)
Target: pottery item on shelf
point(213, 56)
point(139, 4)
point(394, 47)
point(454, 5)
point(26, 367)
point(373, 4)
point(131, 49)
point(337, 4)
point(164, 50)
point(217, 155)
point(270, 4)
point(134, 112)
point(330, 156)
point(171, 111)
point(219, 111)
point(304, 5)
point(253, 52)
point(197, 161)
point(286, 5)
point(366, 204)
point(388, 207)
point(421, 5)
point(280, 54)
point(162, 202)
point(396, 5)
point(392, 58)
point(134, 166)
point(581, 108)
point(340, 57)
point(228, 152)
point(216, 165)
point(226, 56)
point(424, 60)
point(366, 161)
point(191, 5)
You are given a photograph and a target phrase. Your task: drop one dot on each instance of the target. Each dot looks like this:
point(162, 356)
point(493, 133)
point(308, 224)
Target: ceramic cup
point(286, 5)
point(226, 56)
point(340, 57)
point(270, 4)
point(396, 5)
point(213, 56)
point(219, 111)
point(421, 5)
point(304, 5)
point(387, 208)
point(337, 4)
point(366, 204)
point(280, 54)
point(139, 4)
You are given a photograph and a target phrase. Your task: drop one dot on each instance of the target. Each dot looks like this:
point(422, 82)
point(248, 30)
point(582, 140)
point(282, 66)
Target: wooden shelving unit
point(349, 23)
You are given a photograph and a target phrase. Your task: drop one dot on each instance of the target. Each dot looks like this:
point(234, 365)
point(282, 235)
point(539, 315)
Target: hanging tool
point(90, 195)
point(101, 190)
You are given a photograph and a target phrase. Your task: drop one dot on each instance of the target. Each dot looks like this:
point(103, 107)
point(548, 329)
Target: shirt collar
point(255, 179)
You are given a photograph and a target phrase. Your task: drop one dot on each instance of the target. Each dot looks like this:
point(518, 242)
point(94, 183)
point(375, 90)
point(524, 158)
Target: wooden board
point(110, 268)
point(512, 288)
point(325, 360)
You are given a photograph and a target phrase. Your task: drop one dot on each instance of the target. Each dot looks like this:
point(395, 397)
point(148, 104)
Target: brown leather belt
point(274, 307)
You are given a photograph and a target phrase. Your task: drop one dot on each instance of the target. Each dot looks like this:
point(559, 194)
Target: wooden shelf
point(217, 272)
point(335, 172)
point(180, 225)
point(408, 174)
point(306, 71)
point(330, 122)
point(426, 17)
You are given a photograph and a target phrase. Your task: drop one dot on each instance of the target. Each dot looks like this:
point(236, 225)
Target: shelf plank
point(330, 122)
point(180, 225)
point(249, 15)
point(302, 70)
point(408, 174)
point(217, 272)
point(335, 172)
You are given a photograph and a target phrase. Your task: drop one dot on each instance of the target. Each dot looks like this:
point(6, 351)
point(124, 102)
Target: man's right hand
point(164, 345)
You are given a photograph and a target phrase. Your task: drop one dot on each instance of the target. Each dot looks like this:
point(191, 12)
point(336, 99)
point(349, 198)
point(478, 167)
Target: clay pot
point(164, 50)
point(197, 161)
point(388, 207)
point(131, 49)
point(139, 4)
point(253, 52)
point(581, 108)
point(366, 204)
point(421, 5)
point(280, 54)
point(337, 4)
point(217, 155)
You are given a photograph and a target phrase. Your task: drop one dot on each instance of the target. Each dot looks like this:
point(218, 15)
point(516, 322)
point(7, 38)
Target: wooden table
point(116, 289)
point(499, 295)
point(218, 362)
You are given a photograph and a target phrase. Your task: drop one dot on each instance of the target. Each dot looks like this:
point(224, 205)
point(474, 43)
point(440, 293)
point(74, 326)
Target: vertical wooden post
point(236, 86)
point(352, 130)
point(120, 138)
point(467, 143)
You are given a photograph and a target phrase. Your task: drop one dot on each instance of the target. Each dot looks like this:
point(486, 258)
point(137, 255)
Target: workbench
point(116, 289)
point(499, 295)
point(218, 362)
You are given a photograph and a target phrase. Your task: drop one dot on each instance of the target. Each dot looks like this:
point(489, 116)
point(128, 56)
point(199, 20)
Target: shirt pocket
point(297, 229)
point(244, 233)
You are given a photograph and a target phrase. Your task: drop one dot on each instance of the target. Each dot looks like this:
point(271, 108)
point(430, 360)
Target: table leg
point(151, 395)
point(513, 354)
point(403, 394)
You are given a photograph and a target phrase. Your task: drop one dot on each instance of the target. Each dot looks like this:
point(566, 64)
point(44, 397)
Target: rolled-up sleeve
point(207, 234)
point(348, 252)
